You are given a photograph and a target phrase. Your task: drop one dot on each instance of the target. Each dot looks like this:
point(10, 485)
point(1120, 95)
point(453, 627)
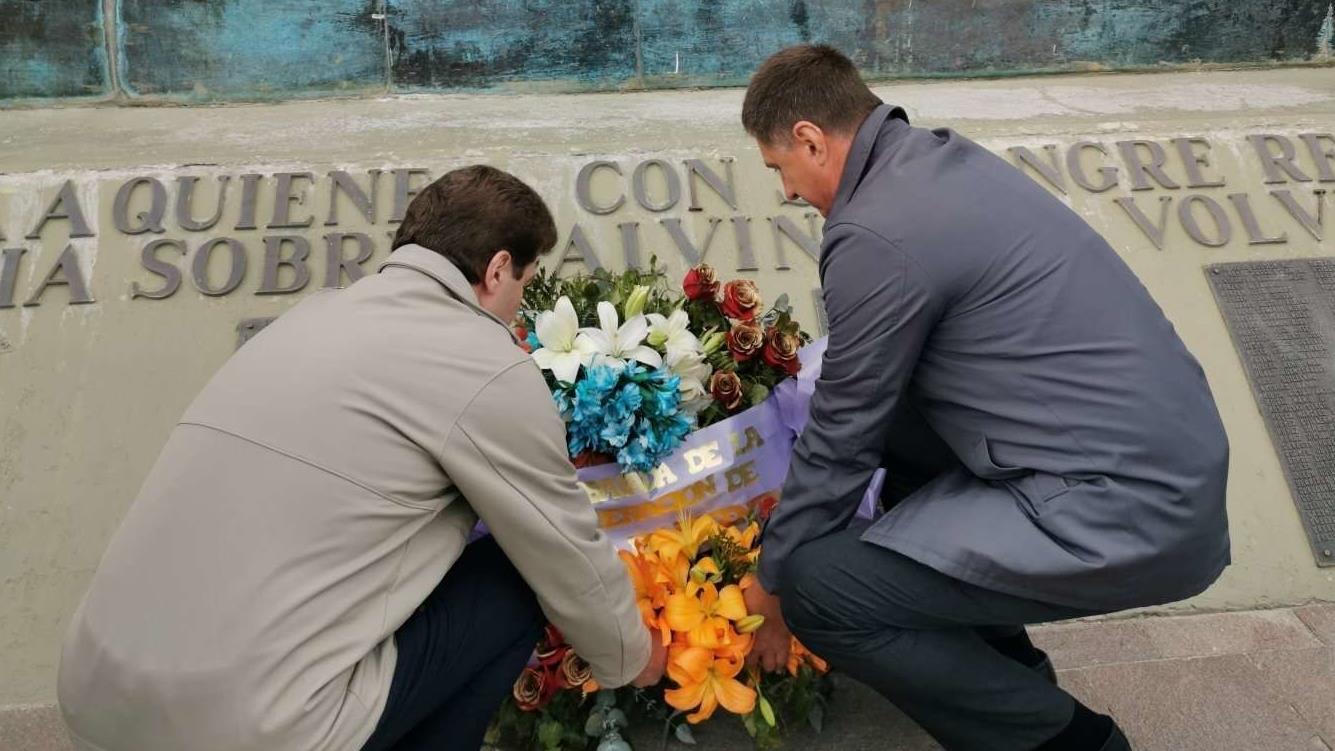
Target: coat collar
point(860, 152)
point(443, 270)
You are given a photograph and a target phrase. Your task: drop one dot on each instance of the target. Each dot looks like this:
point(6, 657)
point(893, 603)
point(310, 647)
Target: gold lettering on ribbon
point(742, 476)
point(704, 458)
point(753, 441)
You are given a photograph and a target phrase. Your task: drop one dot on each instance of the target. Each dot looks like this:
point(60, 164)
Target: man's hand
point(773, 639)
point(653, 672)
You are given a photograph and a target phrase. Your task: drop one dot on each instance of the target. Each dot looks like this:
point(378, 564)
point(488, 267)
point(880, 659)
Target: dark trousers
point(917, 636)
point(459, 655)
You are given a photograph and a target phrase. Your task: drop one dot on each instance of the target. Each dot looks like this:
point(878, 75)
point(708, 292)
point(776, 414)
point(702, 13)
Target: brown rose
point(575, 672)
point(741, 299)
point(781, 351)
point(700, 283)
point(726, 388)
point(528, 689)
point(745, 341)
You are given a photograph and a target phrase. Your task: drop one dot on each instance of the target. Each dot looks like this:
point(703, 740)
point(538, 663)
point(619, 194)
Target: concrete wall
point(95, 370)
point(226, 50)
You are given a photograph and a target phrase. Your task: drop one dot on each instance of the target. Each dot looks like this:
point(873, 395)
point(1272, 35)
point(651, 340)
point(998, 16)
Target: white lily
point(615, 342)
point(673, 333)
point(563, 349)
point(693, 372)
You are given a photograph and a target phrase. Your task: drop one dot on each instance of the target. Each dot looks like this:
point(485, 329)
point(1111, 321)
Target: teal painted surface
point(223, 49)
point(52, 48)
point(484, 43)
point(206, 50)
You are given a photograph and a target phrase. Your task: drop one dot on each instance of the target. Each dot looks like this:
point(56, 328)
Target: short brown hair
point(472, 213)
point(809, 82)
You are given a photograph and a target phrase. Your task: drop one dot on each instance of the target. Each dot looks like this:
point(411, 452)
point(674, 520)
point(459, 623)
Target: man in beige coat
point(295, 572)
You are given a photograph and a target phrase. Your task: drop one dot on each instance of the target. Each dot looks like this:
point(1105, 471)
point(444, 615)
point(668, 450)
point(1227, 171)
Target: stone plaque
point(250, 327)
point(1282, 318)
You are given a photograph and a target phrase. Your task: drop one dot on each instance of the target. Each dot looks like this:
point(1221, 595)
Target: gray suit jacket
point(1091, 459)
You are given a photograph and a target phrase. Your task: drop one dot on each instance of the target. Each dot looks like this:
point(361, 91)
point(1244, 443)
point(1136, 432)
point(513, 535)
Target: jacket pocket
point(1033, 489)
point(983, 465)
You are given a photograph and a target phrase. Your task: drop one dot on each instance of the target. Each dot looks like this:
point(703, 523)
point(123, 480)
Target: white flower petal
point(607, 318)
point(556, 328)
point(646, 356)
point(632, 333)
point(593, 341)
point(566, 366)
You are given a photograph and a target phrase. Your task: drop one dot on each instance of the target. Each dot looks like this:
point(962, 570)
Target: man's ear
point(809, 137)
point(501, 263)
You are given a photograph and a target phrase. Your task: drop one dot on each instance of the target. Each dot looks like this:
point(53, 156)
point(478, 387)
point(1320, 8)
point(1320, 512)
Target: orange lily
point(684, 538)
point(651, 592)
point(744, 537)
point(706, 680)
point(797, 654)
point(705, 613)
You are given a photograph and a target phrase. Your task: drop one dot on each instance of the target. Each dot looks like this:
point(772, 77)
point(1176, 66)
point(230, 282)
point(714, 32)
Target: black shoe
point(1116, 742)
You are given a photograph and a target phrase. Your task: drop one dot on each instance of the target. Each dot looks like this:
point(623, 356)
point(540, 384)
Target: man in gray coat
point(295, 574)
point(1056, 447)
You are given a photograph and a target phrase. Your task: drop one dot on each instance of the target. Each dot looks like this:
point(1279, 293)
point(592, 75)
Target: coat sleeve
point(881, 309)
point(507, 456)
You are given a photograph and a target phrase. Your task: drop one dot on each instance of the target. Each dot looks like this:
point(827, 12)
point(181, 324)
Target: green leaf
point(749, 721)
point(817, 718)
point(594, 724)
point(617, 718)
point(684, 734)
point(549, 735)
point(767, 712)
point(781, 304)
point(758, 393)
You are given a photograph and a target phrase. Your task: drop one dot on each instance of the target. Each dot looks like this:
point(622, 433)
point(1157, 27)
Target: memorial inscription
point(1281, 315)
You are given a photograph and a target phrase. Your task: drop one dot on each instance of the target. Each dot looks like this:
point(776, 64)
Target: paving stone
point(1080, 645)
point(1306, 680)
point(1206, 704)
point(858, 720)
point(32, 728)
point(1077, 645)
point(1321, 619)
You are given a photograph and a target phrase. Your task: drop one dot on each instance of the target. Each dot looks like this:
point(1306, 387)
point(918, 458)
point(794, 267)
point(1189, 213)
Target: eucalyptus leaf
point(684, 734)
point(781, 304)
point(594, 725)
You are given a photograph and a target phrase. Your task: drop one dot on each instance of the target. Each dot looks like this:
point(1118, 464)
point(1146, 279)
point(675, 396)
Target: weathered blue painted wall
point(218, 49)
point(52, 48)
point(203, 50)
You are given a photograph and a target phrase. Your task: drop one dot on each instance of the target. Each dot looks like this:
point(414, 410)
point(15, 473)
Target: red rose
point(741, 299)
point(700, 283)
point(745, 341)
point(521, 334)
point(766, 506)
point(781, 351)
point(575, 672)
point(726, 388)
point(592, 459)
point(529, 689)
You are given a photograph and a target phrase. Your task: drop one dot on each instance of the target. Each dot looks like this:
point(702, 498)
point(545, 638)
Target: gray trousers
point(917, 636)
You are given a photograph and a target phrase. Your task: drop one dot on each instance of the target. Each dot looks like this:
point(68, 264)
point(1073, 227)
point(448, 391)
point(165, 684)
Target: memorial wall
point(140, 246)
